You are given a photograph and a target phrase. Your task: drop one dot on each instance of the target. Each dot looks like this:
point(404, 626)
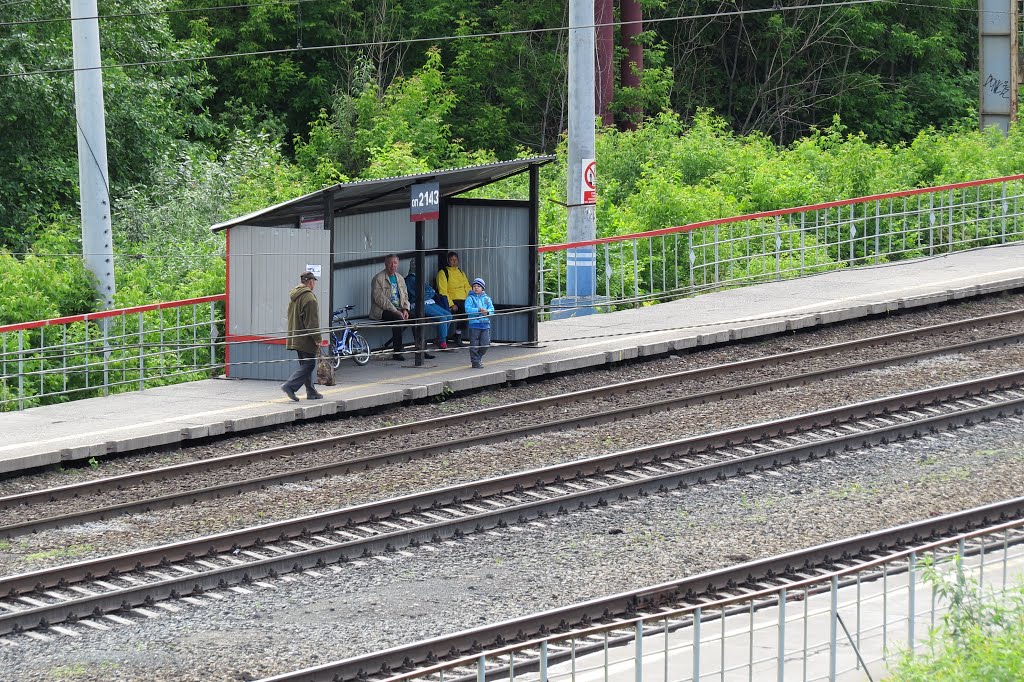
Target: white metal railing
point(111, 351)
point(844, 624)
point(676, 261)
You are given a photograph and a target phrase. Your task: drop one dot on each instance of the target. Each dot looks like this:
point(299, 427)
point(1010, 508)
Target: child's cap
point(480, 281)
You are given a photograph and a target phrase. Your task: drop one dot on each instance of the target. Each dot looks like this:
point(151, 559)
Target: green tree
point(148, 108)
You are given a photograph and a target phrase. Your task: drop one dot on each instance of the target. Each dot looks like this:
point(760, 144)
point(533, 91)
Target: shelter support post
point(421, 283)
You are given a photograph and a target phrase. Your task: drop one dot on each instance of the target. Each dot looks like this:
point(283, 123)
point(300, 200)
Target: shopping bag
point(324, 370)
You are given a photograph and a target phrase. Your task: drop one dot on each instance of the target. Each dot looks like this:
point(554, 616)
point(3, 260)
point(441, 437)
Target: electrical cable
point(440, 39)
point(125, 15)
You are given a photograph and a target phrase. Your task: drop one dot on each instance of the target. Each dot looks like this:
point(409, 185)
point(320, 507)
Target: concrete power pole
point(94, 187)
point(581, 195)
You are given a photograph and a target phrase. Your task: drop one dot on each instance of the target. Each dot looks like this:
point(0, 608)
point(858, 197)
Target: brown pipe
point(604, 18)
point(633, 63)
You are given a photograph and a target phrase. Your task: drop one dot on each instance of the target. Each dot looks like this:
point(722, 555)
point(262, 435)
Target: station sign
point(425, 202)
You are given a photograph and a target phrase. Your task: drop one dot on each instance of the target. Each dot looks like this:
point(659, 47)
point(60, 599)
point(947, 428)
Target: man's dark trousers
point(304, 374)
point(397, 330)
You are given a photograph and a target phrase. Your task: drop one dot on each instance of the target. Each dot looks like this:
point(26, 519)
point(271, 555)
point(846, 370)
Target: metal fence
point(111, 351)
point(846, 624)
point(671, 262)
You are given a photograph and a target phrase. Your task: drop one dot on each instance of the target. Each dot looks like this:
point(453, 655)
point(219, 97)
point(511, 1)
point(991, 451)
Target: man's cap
point(480, 281)
point(306, 276)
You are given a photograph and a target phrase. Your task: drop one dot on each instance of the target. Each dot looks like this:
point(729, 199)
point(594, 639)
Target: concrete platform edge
point(496, 373)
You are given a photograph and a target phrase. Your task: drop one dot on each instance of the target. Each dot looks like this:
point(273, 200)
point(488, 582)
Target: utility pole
point(93, 183)
point(581, 195)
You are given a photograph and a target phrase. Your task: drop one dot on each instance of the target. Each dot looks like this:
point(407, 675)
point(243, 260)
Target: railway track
point(32, 520)
point(139, 580)
point(462, 656)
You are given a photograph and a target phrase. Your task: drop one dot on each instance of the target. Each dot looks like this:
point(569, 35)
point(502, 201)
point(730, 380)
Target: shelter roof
point(384, 194)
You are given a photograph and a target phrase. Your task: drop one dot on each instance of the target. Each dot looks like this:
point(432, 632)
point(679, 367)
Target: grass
point(77, 671)
point(953, 474)
point(69, 552)
point(846, 491)
point(5, 545)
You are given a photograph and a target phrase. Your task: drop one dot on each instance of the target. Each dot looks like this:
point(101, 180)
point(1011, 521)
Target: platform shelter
point(343, 233)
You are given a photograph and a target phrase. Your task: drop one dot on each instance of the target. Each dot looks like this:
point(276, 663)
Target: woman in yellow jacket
point(453, 284)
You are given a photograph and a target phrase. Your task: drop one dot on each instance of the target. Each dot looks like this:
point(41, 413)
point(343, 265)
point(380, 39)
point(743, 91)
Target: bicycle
point(350, 343)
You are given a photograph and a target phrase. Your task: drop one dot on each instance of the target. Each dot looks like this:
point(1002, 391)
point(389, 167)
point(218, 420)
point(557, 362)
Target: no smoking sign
point(588, 188)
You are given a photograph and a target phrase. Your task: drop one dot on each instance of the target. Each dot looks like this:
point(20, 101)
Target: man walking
point(303, 336)
point(389, 301)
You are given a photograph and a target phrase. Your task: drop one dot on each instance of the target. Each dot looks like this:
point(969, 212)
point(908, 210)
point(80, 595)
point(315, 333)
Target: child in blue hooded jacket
point(479, 309)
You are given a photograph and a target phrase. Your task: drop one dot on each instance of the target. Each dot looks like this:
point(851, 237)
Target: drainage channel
point(232, 560)
point(25, 501)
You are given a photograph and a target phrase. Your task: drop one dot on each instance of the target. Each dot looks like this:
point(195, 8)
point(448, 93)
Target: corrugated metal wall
point(373, 236)
point(493, 242)
point(369, 237)
point(256, 360)
point(265, 264)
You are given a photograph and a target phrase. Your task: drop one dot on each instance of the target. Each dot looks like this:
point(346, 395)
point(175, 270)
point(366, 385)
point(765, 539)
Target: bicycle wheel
point(332, 349)
point(358, 348)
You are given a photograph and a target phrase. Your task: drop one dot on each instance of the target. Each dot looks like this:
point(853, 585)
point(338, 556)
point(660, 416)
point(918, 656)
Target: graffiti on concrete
point(997, 86)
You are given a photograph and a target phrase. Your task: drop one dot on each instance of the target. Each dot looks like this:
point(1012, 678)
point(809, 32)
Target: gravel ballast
point(583, 555)
point(73, 543)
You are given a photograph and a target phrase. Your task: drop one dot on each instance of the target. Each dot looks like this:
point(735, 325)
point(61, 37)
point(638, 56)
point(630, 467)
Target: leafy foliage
point(50, 281)
point(165, 250)
point(981, 637)
point(283, 124)
point(889, 69)
point(148, 108)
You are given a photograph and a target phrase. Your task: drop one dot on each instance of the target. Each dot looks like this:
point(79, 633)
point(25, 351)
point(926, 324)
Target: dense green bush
point(981, 637)
point(49, 281)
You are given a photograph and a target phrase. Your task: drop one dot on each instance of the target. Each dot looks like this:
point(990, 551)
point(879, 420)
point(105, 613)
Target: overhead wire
point(124, 15)
point(441, 39)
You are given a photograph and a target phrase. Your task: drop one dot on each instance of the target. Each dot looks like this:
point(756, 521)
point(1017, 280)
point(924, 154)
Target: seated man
point(389, 301)
point(430, 308)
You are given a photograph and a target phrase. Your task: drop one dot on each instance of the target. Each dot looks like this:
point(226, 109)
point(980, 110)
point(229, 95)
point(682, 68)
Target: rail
point(128, 349)
point(839, 611)
point(635, 269)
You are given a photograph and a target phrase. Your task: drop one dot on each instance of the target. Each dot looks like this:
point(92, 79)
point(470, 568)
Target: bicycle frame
point(340, 343)
point(346, 341)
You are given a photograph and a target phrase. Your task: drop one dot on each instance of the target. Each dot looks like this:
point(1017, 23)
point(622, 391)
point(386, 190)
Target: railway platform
point(170, 415)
